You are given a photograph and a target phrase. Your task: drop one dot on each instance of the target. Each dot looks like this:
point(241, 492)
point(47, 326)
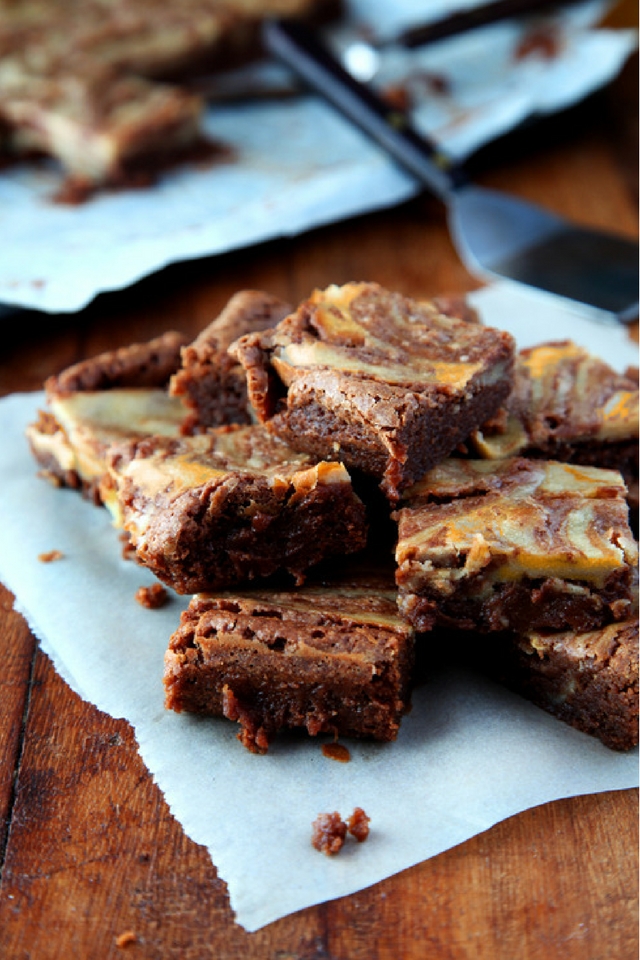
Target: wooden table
point(88, 848)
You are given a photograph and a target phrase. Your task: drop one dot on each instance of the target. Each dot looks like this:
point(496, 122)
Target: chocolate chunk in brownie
point(386, 384)
point(332, 659)
point(566, 405)
point(211, 384)
point(515, 545)
point(588, 679)
point(214, 510)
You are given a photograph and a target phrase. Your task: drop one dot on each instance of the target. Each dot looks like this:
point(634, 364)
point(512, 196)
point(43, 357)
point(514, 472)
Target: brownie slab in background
point(117, 395)
point(516, 545)
point(81, 81)
point(210, 383)
point(386, 384)
point(218, 509)
point(330, 659)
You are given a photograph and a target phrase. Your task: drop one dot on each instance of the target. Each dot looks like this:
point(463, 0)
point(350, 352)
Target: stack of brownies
point(346, 482)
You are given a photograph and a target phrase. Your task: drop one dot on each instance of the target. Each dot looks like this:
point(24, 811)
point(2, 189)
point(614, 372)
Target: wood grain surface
point(88, 849)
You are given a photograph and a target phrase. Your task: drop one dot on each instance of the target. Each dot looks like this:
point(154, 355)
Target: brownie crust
point(149, 364)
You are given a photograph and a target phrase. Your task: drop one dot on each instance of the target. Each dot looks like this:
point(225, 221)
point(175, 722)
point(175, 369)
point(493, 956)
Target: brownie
point(80, 80)
point(148, 364)
point(588, 679)
point(567, 405)
point(516, 545)
point(214, 510)
point(383, 383)
point(115, 396)
point(210, 383)
point(332, 659)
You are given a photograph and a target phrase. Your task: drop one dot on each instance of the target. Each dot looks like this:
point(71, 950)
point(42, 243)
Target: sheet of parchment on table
point(468, 755)
point(293, 164)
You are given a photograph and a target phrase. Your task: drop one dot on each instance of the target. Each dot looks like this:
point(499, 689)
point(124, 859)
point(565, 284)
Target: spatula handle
point(298, 47)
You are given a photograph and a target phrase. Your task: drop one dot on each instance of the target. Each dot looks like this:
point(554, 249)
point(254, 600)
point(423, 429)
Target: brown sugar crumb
point(50, 556)
point(336, 751)
point(126, 939)
point(152, 597)
point(358, 825)
point(329, 832)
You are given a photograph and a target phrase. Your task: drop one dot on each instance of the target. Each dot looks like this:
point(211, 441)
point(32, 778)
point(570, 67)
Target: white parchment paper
point(296, 163)
point(468, 755)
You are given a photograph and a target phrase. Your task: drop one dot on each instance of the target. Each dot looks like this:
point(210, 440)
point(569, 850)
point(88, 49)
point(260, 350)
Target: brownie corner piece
point(333, 659)
point(515, 545)
point(214, 510)
point(210, 383)
point(386, 384)
point(588, 679)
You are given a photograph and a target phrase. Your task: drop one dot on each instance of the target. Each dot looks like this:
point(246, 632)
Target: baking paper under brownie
point(210, 383)
point(212, 511)
point(515, 544)
point(386, 384)
point(329, 659)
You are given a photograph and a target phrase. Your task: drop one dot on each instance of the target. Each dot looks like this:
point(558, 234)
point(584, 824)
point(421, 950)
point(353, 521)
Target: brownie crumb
point(128, 551)
point(126, 939)
point(358, 825)
point(152, 597)
point(50, 556)
point(252, 734)
point(329, 832)
point(336, 751)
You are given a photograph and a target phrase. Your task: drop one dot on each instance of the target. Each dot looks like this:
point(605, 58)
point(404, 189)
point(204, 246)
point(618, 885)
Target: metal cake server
point(495, 234)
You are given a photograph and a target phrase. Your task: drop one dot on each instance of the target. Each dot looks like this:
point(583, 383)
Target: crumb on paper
point(358, 825)
point(126, 939)
point(330, 830)
point(336, 751)
point(50, 556)
point(152, 597)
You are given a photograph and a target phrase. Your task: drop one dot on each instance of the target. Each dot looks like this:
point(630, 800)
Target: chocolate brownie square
point(588, 679)
point(210, 383)
point(214, 510)
point(115, 396)
point(515, 545)
point(566, 405)
point(383, 383)
point(332, 659)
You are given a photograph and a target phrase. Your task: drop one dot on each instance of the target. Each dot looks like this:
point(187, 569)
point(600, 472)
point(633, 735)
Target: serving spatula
point(495, 234)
